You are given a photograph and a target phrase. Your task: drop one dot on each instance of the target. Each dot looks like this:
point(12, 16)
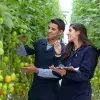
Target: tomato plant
point(21, 21)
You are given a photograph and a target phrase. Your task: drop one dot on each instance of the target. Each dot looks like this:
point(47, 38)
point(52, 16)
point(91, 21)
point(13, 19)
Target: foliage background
point(88, 13)
point(31, 15)
point(22, 21)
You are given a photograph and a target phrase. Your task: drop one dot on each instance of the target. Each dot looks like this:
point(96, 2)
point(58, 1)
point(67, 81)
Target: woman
point(80, 57)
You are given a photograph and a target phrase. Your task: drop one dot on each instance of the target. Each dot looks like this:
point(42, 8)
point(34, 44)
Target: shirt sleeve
point(25, 50)
point(21, 50)
point(46, 73)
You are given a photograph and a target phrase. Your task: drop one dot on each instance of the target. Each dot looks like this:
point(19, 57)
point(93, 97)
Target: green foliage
point(21, 21)
point(31, 15)
point(96, 83)
point(88, 13)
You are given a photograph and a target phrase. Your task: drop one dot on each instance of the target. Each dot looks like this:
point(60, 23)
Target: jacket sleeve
point(87, 67)
point(31, 51)
point(56, 63)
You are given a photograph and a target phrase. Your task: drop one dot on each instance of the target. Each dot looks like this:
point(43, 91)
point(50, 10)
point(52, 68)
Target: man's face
point(53, 31)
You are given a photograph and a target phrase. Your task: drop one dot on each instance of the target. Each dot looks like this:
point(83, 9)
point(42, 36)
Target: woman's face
point(72, 35)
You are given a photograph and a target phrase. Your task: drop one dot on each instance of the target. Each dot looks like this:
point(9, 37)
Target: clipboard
point(69, 68)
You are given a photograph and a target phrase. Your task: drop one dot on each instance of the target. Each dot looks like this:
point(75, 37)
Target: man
point(44, 88)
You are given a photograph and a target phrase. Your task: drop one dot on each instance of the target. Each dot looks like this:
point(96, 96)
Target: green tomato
point(13, 44)
point(5, 59)
point(21, 64)
point(24, 31)
point(5, 92)
point(4, 87)
point(15, 39)
point(17, 60)
point(1, 78)
point(1, 20)
point(14, 33)
point(1, 44)
point(21, 30)
point(13, 76)
point(99, 72)
point(10, 85)
point(17, 75)
point(1, 51)
point(26, 64)
point(29, 58)
point(11, 89)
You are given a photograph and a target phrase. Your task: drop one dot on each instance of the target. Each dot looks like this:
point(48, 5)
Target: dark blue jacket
point(43, 88)
point(76, 85)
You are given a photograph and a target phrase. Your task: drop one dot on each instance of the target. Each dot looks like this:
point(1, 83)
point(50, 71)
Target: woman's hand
point(30, 68)
point(60, 71)
point(57, 47)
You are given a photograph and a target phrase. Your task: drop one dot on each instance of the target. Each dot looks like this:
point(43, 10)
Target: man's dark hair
point(59, 22)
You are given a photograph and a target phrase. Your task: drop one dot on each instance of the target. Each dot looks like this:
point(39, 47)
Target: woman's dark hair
point(59, 22)
point(82, 37)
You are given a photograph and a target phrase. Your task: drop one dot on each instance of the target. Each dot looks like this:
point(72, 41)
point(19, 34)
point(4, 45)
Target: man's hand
point(60, 71)
point(57, 47)
point(30, 68)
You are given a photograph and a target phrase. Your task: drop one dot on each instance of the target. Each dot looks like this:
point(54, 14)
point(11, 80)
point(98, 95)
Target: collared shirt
point(47, 73)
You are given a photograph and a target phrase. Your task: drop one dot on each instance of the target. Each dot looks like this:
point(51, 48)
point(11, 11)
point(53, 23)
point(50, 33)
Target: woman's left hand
point(60, 71)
